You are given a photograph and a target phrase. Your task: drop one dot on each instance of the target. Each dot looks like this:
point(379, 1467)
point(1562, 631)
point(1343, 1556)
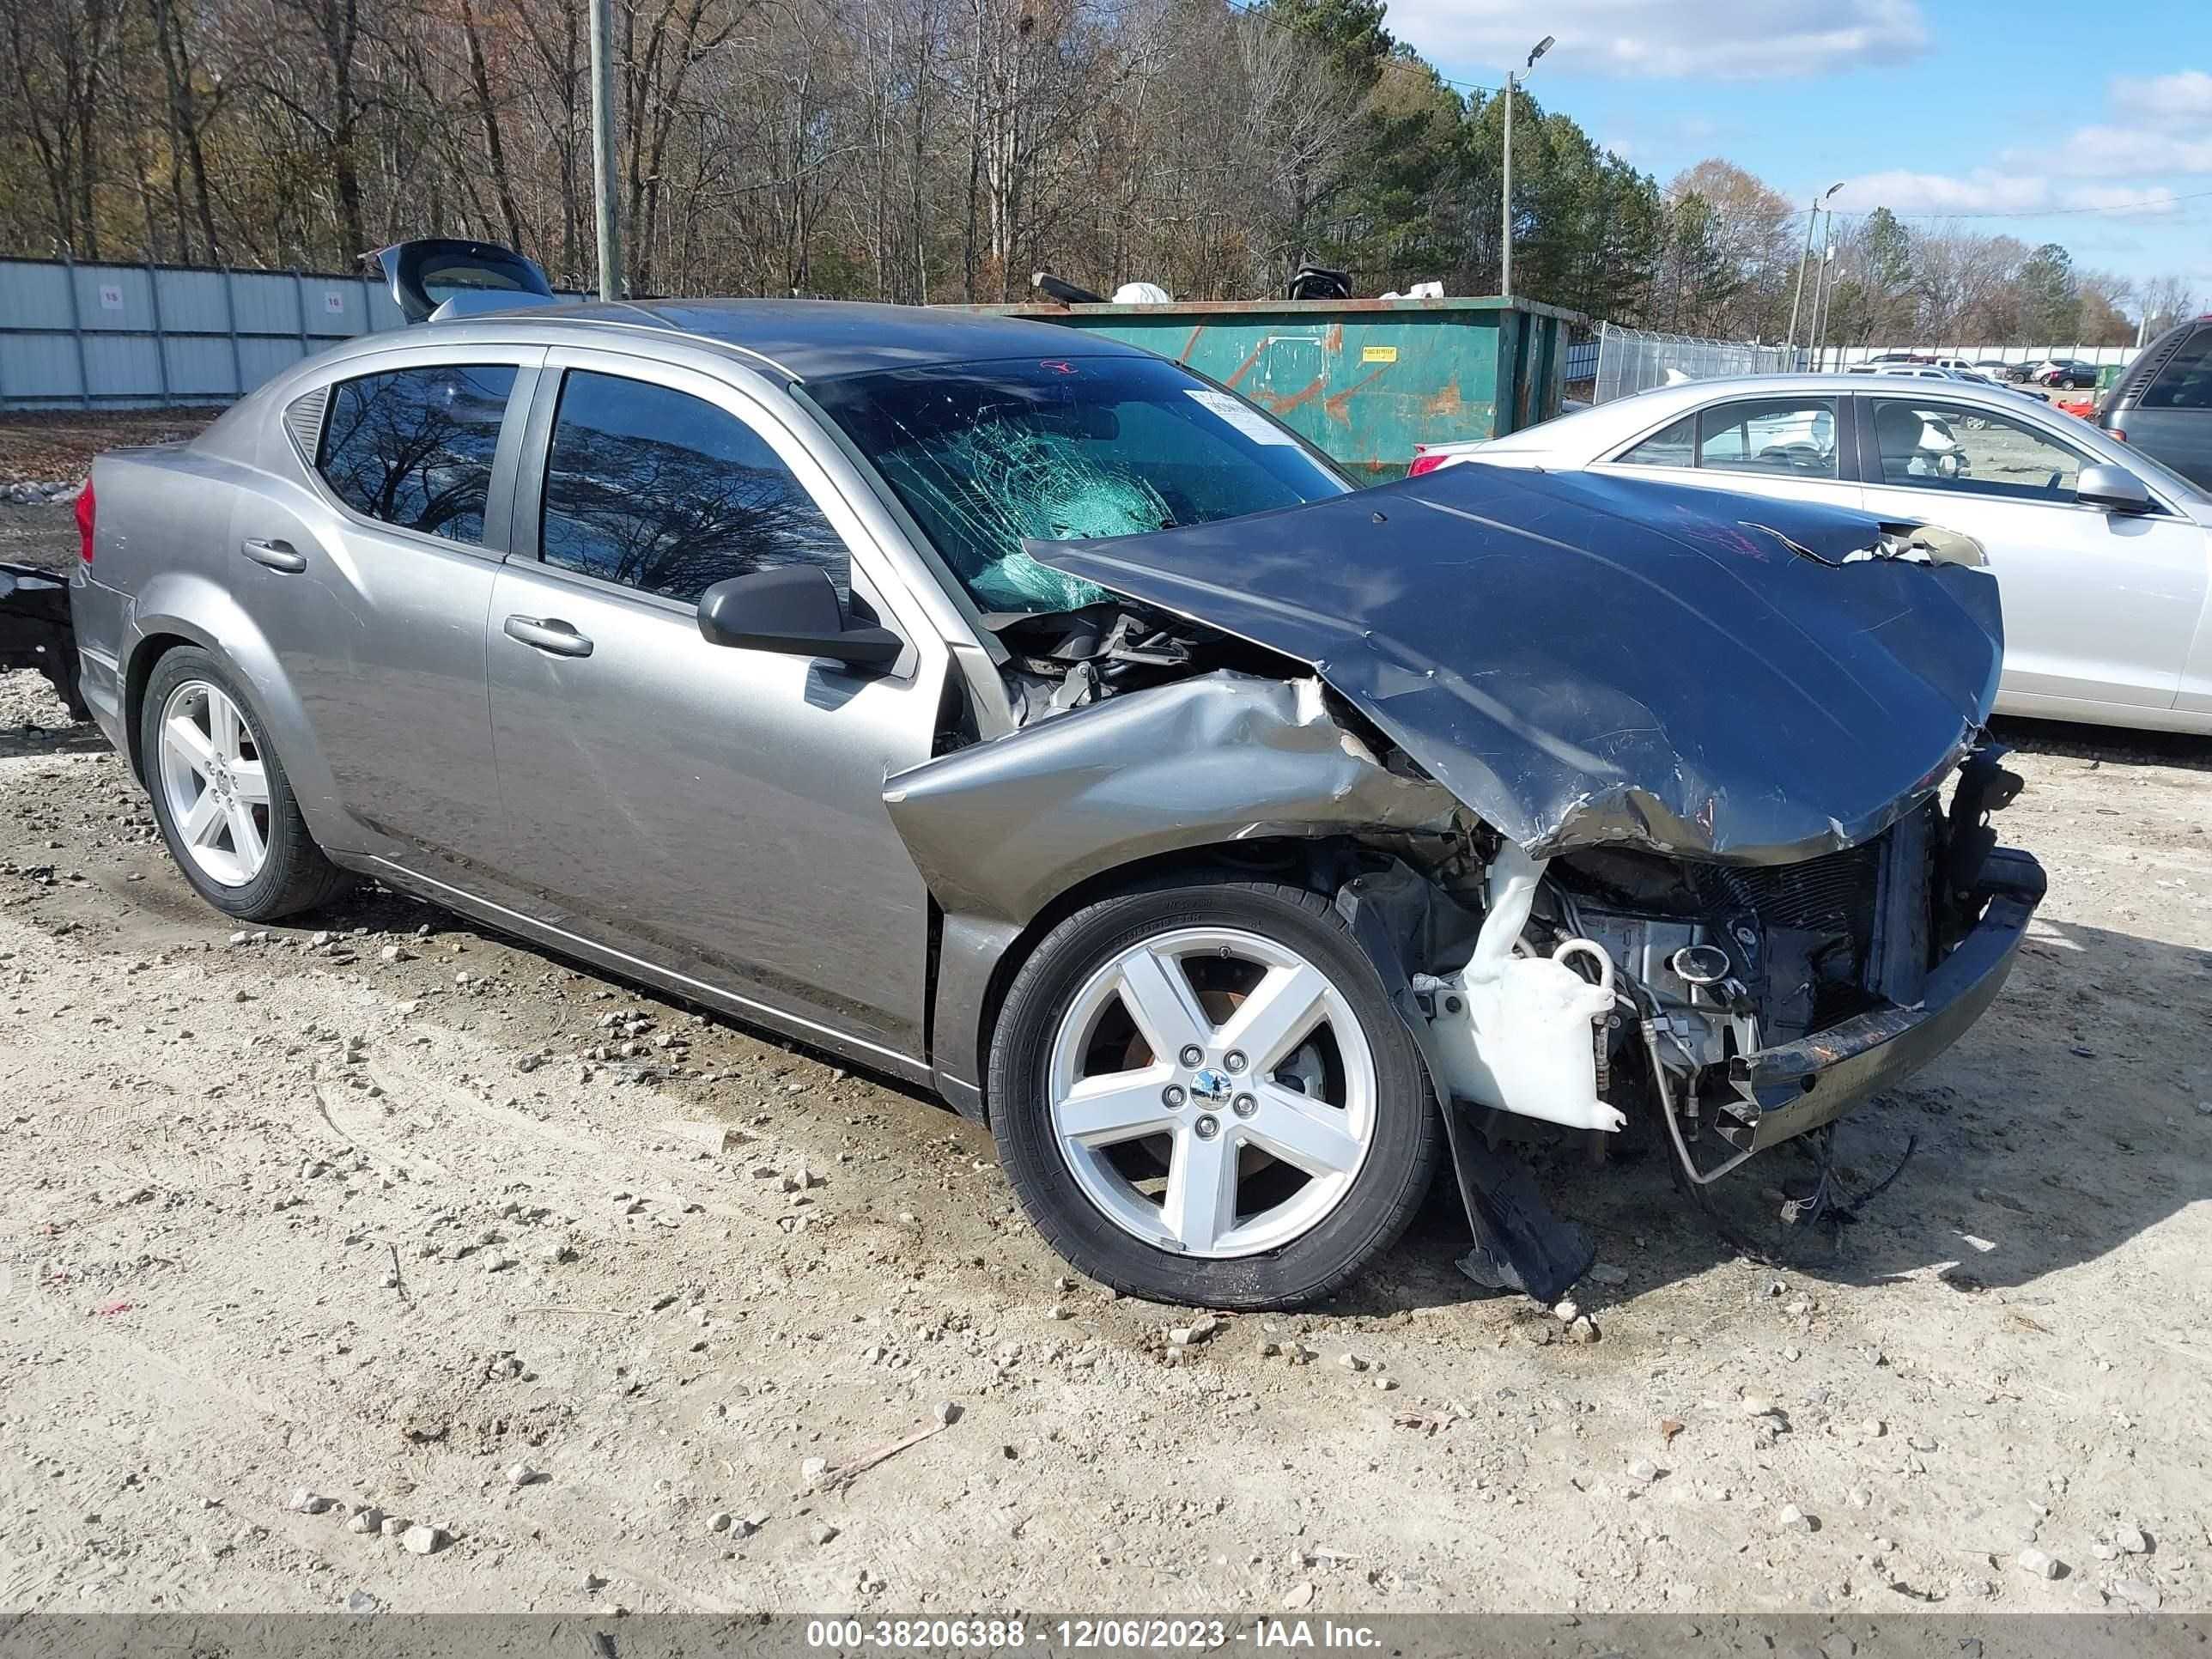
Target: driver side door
point(711, 810)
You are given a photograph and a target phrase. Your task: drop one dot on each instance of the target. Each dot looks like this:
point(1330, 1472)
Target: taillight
point(2116, 435)
point(1424, 461)
point(84, 512)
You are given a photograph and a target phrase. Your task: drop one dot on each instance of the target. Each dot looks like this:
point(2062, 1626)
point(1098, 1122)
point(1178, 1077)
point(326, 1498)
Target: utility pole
point(1823, 283)
point(1812, 220)
point(1505, 260)
point(603, 148)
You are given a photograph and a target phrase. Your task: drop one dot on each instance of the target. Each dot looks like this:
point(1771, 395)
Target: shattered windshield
point(1063, 449)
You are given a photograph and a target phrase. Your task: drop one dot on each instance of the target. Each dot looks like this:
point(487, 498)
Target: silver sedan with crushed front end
point(1022, 715)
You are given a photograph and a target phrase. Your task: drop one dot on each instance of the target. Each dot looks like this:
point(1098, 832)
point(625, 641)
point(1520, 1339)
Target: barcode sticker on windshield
point(1245, 419)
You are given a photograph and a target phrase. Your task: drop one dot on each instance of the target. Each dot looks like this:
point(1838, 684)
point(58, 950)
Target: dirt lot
point(381, 1207)
point(47, 446)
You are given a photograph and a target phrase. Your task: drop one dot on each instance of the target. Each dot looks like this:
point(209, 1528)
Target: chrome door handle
point(549, 634)
point(278, 555)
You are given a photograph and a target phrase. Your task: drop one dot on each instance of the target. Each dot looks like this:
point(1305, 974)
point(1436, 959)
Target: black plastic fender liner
point(1524, 1247)
point(1584, 660)
point(36, 631)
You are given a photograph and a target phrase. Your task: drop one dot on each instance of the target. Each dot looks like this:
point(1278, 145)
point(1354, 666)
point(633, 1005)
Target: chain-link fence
point(1633, 359)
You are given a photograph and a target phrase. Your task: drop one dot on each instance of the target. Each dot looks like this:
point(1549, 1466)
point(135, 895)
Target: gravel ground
point(380, 1210)
point(57, 445)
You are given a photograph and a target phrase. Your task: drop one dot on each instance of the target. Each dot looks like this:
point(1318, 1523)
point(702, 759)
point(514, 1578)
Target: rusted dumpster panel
point(1366, 379)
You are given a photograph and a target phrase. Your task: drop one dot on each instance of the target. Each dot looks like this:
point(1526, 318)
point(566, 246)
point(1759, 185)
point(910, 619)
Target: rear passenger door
point(372, 583)
point(715, 811)
point(1795, 446)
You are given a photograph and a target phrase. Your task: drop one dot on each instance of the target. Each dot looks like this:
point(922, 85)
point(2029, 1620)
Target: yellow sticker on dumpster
point(1378, 354)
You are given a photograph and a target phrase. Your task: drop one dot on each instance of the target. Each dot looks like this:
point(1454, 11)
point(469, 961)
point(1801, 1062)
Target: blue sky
point(1944, 110)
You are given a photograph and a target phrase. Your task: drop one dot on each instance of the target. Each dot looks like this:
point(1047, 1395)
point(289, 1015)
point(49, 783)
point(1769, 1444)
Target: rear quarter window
point(413, 447)
point(2185, 381)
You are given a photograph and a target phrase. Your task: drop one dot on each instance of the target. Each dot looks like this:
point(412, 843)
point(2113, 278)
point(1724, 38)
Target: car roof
point(816, 339)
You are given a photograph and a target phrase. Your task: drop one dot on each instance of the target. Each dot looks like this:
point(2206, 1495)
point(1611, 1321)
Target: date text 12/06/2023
point(1089, 1635)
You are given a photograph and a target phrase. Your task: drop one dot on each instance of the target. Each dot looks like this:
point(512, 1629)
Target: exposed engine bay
point(1600, 890)
point(1587, 988)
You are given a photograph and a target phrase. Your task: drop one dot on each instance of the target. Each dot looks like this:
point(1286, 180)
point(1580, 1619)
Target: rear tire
point(221, 796)
point(1242, 1181)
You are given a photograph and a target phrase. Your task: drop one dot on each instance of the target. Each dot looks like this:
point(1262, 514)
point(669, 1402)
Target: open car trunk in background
point(1585, 660)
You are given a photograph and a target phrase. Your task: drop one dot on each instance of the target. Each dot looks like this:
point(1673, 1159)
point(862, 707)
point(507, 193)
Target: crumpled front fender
point(1001, 829)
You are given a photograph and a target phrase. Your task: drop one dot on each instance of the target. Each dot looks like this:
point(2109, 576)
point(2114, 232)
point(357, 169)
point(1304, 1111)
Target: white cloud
point(1987, 191)
point(2115, 152)
point(2185, 96)
point(1980, 191)
point(1665, 39)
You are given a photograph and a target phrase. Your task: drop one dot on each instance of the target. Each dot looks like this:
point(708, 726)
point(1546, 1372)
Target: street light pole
point(1505, 260)
point(602, 150)
point(1812, 221)
point(1823, 284)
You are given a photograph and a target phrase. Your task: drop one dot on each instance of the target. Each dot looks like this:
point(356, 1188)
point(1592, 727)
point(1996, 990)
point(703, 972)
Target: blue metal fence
point(105, 336)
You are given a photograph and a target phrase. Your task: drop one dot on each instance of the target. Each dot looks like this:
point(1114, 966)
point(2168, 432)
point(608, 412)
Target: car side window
point(1792, 436)
point(665, 492)
point(1926, 444)
point(413, 447)
point(2185, 382)
point(1671, 445)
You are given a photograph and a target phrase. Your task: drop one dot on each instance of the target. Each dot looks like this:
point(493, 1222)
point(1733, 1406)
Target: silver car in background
point(1015, 713)
point(2104, 556)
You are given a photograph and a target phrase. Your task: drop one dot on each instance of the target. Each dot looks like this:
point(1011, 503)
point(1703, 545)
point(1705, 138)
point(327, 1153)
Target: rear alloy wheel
point(214, 783)
point(1202, 1094)
point(221, 796)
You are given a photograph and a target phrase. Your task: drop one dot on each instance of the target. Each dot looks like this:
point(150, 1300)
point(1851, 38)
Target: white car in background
point(2103, 556)
point(1971, 376)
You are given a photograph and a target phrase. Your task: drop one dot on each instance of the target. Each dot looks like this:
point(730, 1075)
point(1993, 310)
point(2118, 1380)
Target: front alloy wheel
point(1202, 1093)
point(1218, 1121)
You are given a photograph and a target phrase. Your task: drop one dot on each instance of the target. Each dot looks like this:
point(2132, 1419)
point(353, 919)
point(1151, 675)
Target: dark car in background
point(2163, 404)
point(2066, 372)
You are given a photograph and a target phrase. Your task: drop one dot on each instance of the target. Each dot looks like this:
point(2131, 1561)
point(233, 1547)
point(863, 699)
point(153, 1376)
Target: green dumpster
point(1365, 379)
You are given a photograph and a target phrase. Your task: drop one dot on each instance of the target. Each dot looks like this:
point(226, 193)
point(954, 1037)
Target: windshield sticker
point(1246, 420)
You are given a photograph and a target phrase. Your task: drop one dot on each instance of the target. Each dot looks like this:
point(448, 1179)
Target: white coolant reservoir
point(1515, 1032)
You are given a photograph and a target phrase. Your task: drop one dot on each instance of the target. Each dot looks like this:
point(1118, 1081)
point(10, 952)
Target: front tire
point(1202, 1094)
point(221, 796)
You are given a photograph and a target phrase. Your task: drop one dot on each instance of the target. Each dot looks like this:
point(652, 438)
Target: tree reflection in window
point(659, 490)
point(414, 448)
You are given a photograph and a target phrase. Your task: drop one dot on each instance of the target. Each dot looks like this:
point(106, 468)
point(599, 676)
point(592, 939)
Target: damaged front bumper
point(1794, 1088)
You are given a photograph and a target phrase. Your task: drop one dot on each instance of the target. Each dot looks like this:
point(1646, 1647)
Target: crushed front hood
point(1584, 659)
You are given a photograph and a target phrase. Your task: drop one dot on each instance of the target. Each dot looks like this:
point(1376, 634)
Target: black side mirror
point(792, 610)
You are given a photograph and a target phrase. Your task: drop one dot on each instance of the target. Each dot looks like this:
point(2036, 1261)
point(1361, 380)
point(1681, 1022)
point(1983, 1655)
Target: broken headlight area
point(1738, 1006)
